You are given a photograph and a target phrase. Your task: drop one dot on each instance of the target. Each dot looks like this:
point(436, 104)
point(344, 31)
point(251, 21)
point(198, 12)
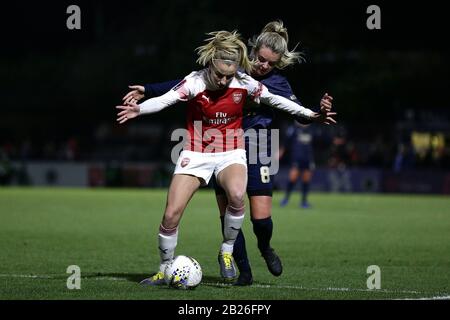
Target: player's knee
point(236, 197)
point(172, 216)
point(261, 214)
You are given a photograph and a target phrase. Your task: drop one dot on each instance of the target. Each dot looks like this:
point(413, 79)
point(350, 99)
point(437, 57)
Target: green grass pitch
point(111, 234)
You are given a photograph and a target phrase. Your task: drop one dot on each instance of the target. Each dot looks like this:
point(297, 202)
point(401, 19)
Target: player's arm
point(131, 110)
point(149, 90)
point(324, 114)
point(293, 108)
point(284, 89)
point(157, 89)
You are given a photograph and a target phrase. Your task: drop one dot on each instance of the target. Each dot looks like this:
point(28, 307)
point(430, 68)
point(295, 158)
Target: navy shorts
point(302, 164)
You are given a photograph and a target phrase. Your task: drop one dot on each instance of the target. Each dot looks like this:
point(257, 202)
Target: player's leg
point(239, 249)
point(261, 216)
point(181, 189)
point(233, 179)
point(259, 190)
point(293, 177)
point(192, 170)
point(180, 192)
point(306, 180)
point(222, 201)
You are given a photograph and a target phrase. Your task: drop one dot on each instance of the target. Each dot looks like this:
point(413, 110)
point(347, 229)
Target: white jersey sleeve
point(259, 92)
point(184, 91)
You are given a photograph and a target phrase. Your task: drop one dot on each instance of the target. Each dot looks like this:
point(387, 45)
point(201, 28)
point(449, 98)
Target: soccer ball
point(183, 273)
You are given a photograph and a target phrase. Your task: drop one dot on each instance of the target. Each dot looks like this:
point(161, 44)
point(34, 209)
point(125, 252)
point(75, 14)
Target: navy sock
point(305, 189)
point(239, 251)
point(263, 230)
point(290, 187)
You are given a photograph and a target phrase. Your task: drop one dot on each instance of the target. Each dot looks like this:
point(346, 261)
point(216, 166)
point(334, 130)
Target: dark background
point(60, 86)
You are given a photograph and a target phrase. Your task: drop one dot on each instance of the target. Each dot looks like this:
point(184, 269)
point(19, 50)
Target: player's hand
point(129, 111)
point(324, 117)
point(326, 103)
point(136, 94)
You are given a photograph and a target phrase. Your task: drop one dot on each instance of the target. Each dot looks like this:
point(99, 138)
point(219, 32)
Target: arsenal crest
point(237, 97)
point(185, 162)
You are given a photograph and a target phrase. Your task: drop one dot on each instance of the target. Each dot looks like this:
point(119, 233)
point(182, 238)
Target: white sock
point(167, 242)
point(232, 223)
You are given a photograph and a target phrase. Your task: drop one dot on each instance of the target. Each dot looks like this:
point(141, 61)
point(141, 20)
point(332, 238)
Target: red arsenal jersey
point(214, 118)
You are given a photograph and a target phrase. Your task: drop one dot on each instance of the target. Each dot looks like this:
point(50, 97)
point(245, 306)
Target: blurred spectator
point(353, 155)
point(405, 158)
point(71, 149)
point(338, 153)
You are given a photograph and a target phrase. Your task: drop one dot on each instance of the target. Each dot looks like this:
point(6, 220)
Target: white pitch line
point(105, 278)
point(99, 278)
point(30, 276)
point(320, 289)
point(430, 298)
point(26, 276)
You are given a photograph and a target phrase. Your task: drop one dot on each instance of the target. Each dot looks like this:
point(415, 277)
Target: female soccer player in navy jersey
point(270, 52)
point(298, 143)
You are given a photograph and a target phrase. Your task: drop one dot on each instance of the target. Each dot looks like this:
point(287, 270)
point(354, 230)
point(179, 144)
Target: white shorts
point(203, 165)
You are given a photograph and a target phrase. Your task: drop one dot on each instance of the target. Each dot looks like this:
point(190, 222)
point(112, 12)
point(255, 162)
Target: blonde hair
point(275, 37)
point(224, 45)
